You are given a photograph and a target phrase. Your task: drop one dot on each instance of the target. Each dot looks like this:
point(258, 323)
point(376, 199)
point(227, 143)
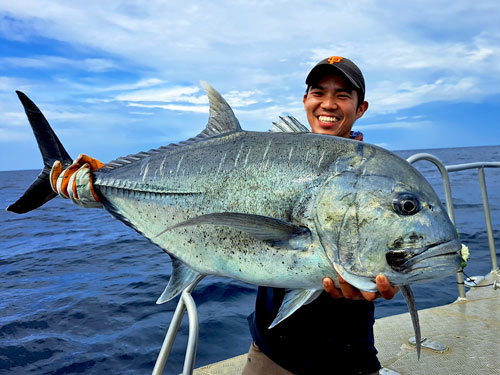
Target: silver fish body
point(283, 210)
point(341, 191)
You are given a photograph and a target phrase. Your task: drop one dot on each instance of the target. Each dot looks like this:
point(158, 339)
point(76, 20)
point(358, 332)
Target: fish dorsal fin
point(180, 278)
point(222, 119)
point(294, 299)
point(289, 124)
point(274, 231)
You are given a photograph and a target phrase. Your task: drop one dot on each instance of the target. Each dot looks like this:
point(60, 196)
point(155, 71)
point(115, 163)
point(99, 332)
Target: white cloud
point(141, 113)
point(7, 135)
point(66, 116)
point(388, 97)
point(97, 65)
point(148, 82)
point(10, 84)
point(51, 62)
point(99, 88)
point(19, 118)
point(172, 94)
point(173, 107)
point(238, 99)
point(14, 119)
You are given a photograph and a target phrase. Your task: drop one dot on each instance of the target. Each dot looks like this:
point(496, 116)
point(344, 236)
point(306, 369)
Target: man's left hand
point(76, 181)
point(346, 290)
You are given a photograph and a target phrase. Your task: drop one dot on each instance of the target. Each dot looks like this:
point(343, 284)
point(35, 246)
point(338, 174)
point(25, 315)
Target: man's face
point(332, 107)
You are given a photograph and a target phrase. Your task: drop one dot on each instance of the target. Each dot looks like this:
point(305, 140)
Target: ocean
point(78, 288)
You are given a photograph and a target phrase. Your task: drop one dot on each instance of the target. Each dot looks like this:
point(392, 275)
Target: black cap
point(345, 66)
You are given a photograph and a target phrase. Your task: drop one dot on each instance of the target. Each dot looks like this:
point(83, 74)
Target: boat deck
point(466, 334)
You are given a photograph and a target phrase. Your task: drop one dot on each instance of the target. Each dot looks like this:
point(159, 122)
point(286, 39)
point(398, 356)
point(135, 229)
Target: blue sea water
point(78, 288)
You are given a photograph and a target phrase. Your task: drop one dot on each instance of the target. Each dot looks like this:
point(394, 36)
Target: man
point(329, 335)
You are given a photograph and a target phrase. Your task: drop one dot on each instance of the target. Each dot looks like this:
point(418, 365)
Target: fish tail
point(51, 149)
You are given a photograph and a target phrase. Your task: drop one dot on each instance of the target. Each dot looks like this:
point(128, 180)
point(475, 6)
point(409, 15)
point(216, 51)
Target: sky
point(118, 77)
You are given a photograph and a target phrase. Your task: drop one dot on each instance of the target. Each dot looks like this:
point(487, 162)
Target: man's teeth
point(328, 119)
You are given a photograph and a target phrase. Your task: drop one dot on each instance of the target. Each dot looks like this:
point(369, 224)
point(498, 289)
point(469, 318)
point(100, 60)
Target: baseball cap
point(345, 66)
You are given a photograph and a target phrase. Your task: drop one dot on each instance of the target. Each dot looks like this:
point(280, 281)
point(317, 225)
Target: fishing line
point(471, 280)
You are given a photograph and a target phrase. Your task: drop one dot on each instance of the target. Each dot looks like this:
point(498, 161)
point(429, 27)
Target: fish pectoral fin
point(294, 299)
point(274, 231)
point(360, 282)
point(180, 278)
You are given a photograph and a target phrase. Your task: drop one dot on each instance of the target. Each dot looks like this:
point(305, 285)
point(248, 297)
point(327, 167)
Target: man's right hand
point(346, 290)
point(76, 181)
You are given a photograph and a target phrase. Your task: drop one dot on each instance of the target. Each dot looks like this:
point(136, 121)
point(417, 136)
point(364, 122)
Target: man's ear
point(361, 109)
point(304, 98)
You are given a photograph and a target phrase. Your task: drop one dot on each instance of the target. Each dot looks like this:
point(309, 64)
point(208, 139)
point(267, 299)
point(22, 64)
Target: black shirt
point(327, 336)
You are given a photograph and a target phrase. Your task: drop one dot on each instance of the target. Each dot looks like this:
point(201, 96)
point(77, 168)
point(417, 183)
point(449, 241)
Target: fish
point(283, 209)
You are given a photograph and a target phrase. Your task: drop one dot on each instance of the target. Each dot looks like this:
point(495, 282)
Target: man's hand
point(385, 289)
point(76, 181)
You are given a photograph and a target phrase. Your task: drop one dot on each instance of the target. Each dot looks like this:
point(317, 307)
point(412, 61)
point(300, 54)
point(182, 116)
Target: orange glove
point(75, 182)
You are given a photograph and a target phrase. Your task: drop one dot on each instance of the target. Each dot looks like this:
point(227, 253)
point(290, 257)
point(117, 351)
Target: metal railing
point(444, 170)
point(186, 301)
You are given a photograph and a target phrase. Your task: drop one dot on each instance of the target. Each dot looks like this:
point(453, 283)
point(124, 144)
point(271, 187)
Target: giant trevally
point(279, 209)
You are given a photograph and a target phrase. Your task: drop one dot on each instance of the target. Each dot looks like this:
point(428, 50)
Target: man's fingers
point(93, 163)
point(63, 180)
point(385, 288)
point(348, 290)
point(370, 296)
point(331, 289)
point(54, 173)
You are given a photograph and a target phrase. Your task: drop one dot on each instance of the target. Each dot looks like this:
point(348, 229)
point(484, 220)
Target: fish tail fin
point(51, 149)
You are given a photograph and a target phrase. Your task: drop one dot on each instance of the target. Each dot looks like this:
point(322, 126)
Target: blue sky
point(119, 77)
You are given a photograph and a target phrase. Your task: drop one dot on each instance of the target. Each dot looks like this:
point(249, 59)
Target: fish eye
point(406, 204)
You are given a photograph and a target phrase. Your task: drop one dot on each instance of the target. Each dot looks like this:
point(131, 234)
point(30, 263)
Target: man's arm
point(346, 290)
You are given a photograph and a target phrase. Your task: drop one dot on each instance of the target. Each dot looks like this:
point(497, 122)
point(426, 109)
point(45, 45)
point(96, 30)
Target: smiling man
point(335, 96)
point(328, 335)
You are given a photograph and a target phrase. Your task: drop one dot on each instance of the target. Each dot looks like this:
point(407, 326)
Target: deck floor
point(469, 329)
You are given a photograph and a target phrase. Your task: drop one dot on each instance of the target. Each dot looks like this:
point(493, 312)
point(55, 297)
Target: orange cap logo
point(335, 59)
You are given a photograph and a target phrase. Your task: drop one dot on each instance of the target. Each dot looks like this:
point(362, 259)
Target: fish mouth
point(404, 260)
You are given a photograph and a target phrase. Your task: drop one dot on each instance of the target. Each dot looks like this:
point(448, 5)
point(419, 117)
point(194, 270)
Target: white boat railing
point(444, 170)
point(186, 301)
